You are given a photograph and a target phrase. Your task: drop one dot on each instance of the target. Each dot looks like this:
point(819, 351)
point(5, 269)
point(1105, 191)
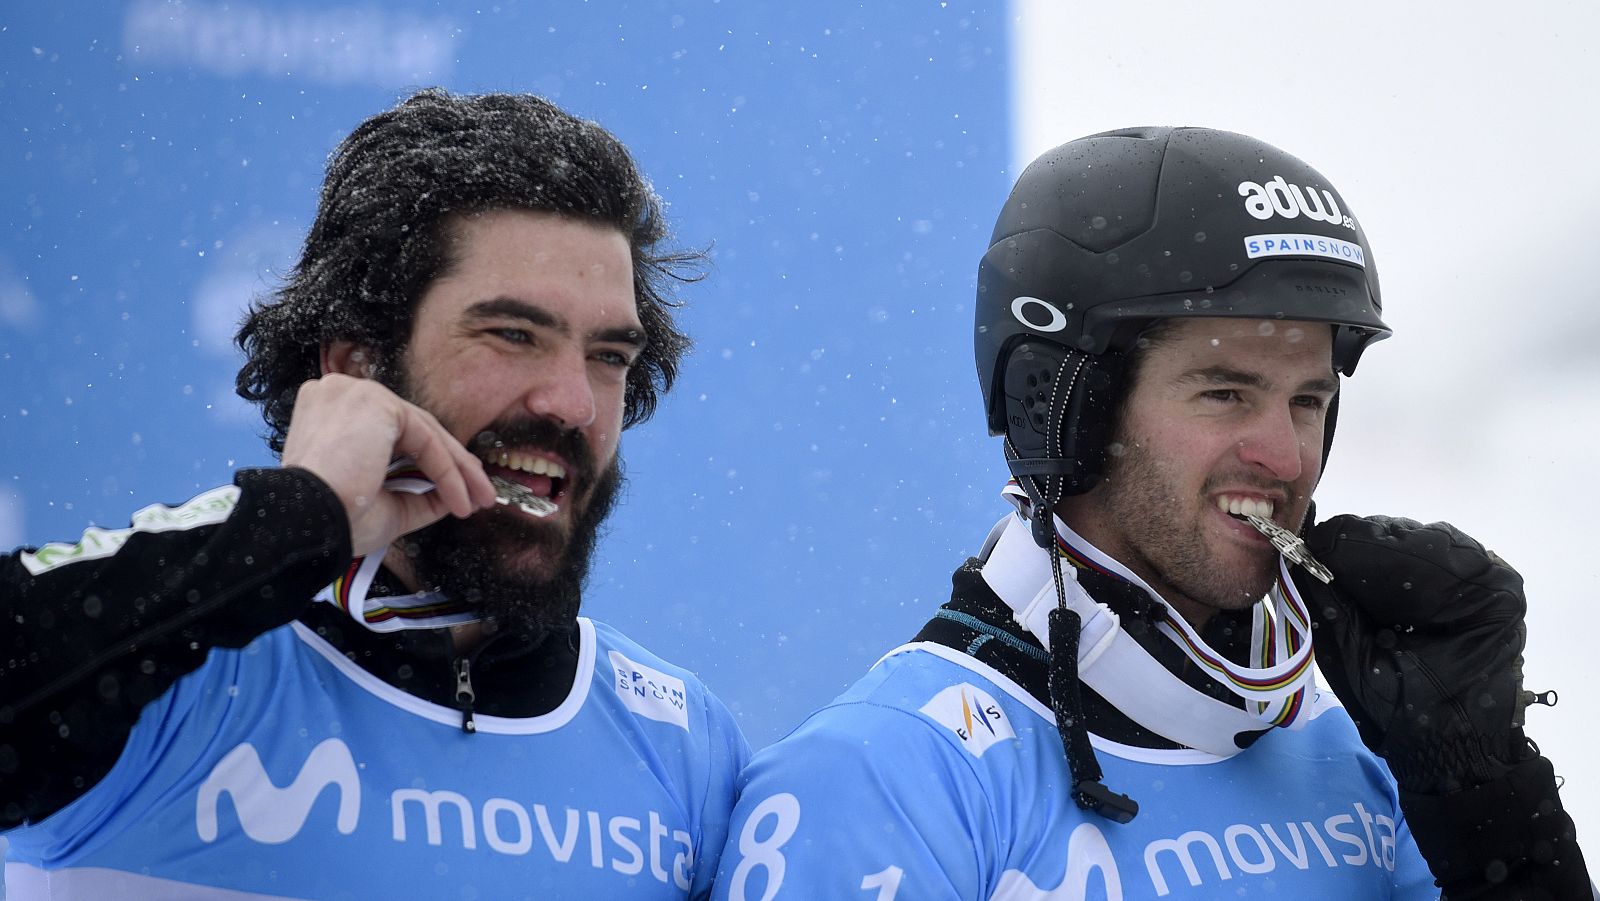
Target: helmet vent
point(1037, 400)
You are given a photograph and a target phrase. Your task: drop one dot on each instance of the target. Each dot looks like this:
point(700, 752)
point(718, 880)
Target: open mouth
point(532, 481)
point(1241, 507)
point(1257, 514)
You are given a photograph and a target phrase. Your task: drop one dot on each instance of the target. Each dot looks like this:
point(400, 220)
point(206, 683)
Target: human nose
point(562, 392)
point(1277, 443)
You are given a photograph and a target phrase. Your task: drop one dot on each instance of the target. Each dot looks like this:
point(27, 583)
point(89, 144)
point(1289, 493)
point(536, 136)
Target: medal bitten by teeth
point(510, 493)
point(1290, 545)
point(403, 475)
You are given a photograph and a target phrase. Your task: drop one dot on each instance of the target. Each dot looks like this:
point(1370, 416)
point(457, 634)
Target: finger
point(440, 457)
point(1344, 647)
point(480, 490)
point(1338, 625)
point(1323, 602)
point(417, 511)
point(404, 513)
point(1406, 573)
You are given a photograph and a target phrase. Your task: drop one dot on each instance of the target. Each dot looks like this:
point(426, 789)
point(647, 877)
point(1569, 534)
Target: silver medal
point(509, 493)
point(1290, 546)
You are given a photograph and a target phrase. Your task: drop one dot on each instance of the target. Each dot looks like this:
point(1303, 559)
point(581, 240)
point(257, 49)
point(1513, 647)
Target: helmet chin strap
point(1274, 691)
point(1044, 480)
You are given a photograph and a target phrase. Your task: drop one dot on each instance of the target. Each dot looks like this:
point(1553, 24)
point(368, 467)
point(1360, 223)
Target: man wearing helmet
point(1162, 320)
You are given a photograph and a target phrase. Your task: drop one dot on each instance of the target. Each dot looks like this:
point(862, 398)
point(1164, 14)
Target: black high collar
point(975, 616)
point(514, 673)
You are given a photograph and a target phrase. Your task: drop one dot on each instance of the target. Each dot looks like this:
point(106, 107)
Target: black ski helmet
point(1105, 234)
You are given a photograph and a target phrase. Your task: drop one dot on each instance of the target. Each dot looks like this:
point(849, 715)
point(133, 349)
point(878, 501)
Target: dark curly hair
point(381, 235)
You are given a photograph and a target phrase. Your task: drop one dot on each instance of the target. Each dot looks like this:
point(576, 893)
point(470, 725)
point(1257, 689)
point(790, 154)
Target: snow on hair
point(382, 235)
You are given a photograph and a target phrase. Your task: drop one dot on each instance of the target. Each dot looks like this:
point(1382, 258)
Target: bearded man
point(481, 307)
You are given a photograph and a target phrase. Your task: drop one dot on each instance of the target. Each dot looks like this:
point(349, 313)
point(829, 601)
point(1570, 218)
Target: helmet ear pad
point(1060, 408)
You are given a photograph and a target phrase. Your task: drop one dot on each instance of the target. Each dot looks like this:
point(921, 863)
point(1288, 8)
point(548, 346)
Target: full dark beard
point(471, 560)
point(474, 560)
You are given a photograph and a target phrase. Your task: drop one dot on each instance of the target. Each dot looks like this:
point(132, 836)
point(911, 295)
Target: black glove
point(1421, 634)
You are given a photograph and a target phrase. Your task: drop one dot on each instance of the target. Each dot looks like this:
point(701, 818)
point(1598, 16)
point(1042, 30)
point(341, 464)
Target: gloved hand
point(1421, 634)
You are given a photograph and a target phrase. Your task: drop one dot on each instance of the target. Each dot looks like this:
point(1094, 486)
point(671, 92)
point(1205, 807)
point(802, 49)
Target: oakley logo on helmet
point(1279, 198)
point(1057, 319)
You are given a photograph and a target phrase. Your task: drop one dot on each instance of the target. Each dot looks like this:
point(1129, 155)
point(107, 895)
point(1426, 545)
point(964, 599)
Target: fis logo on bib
point(972, 715)
point(1277, 197)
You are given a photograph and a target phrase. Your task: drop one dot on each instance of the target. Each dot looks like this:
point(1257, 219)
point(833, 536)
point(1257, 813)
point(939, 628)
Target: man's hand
point(348, 430)
point(1420, 634)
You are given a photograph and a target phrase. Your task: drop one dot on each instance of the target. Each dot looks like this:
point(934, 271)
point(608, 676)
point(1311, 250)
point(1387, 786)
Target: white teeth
point(537, 465)
point(1245, 506)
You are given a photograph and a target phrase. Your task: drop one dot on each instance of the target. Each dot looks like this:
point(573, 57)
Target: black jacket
point(89, 640)
point(1491, 824)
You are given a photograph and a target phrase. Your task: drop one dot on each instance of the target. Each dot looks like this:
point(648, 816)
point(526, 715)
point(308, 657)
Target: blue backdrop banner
point(797, 504)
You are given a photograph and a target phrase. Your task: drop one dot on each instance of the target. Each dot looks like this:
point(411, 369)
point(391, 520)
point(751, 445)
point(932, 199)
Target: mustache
point(539, 433)
point(1252, 480)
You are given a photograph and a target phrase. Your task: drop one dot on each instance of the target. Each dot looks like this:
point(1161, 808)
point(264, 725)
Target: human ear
point(347, 358)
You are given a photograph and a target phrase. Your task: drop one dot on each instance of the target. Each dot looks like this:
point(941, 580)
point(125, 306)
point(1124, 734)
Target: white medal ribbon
point(421, 610)
point(1113, 664)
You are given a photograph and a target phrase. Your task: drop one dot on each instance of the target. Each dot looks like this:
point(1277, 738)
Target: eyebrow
point(1227, 375)
point(512, 308)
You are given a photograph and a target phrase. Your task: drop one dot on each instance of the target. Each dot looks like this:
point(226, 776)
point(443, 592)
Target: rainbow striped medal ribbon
point(424, 609)
point(1275, 687)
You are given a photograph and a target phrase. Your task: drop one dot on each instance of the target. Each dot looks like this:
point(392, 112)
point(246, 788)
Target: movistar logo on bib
point(973, 715)
point(1203, 858)
point(651, 842)
point(273, 815)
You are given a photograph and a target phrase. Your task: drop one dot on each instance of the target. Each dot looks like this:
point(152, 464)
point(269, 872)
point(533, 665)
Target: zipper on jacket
point(464, 693)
